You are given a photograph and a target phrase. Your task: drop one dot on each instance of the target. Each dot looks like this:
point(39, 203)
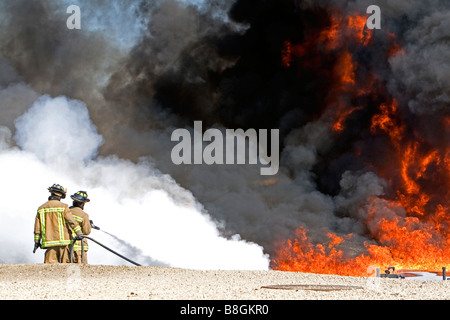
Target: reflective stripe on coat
point(82, 219)
point(54, 224)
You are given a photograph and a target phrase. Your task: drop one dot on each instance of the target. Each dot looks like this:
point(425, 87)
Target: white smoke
point(55, 127)
point(155, 220)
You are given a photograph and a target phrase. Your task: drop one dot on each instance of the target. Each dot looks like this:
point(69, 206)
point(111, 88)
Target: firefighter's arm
point(71, 221)
point(37, 233)
point(37, 229)
point(86, 226)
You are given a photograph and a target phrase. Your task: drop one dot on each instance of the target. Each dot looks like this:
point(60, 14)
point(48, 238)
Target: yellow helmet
point(57, 188)
point(80, 196)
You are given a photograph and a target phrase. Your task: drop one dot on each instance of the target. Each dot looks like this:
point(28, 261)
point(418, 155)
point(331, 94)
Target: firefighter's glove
point(36, 246)
point(78, 237)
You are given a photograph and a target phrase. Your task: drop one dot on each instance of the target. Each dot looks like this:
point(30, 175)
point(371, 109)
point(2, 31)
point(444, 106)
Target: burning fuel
point(408, 226)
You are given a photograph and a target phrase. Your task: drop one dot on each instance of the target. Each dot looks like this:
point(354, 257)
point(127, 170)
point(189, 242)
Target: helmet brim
point(78, 200)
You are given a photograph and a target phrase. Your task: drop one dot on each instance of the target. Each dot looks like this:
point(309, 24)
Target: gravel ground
point(94, 282)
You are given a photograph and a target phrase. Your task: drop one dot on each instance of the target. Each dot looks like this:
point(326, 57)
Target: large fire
point(409, 230)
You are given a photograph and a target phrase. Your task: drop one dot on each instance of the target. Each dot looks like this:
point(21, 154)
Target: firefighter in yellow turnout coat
point(82, 218)
point(53, 227)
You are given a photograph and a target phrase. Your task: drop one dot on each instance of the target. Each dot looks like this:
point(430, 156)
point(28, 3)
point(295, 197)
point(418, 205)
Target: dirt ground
point(94, 282)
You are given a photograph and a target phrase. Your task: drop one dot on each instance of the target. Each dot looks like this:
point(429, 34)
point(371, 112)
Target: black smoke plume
point(222, 63)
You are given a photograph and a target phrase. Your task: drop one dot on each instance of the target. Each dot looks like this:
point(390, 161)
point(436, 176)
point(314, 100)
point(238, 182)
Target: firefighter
point(50, 227)
point(82, 218)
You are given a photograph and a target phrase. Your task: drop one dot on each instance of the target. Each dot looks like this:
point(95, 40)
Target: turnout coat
point(54, 225)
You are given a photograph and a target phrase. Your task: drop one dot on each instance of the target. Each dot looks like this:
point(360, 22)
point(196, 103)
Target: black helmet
point(57, 188)
point(80, 196)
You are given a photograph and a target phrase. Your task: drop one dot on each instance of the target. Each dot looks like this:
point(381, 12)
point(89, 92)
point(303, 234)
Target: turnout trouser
point(59, 254)
point(77, 258)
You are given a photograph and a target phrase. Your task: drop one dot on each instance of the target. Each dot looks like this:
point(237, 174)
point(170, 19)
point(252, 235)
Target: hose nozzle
point(93, 225)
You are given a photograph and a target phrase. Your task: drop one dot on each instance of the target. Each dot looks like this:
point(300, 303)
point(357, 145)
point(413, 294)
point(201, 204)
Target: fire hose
point(81, 237)
point(102, 245)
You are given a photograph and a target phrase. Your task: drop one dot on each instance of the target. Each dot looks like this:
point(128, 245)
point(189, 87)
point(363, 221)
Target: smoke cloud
point(57, 120)
point(95, 108)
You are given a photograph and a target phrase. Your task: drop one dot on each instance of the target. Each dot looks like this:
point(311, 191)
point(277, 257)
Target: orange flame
point(339, 124)
point(396, 49)
point(403, 242)
point(341, 32)
point(345, 69)
point(342, 29)
point(286, 54)
point(385, 121)
point(409, 231)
